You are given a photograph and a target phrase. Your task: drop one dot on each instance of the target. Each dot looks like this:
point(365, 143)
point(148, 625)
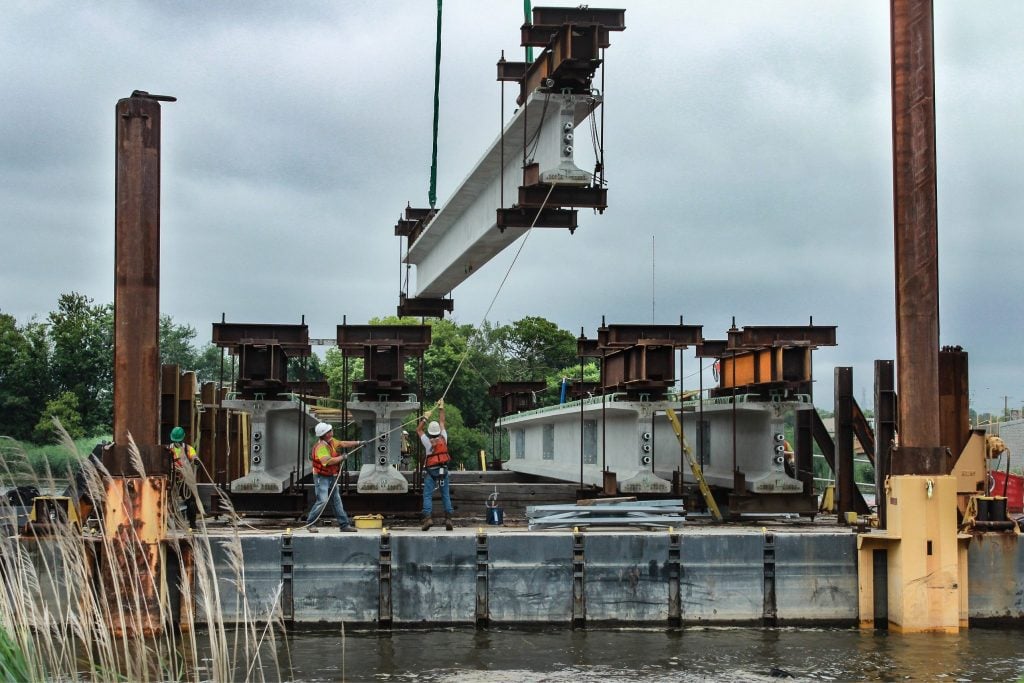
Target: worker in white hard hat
point(435, 467)
point(327, 457)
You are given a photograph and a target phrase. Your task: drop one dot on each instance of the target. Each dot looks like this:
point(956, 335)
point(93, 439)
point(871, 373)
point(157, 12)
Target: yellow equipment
point(51, 515)
point(694, 466)
point(369, 521)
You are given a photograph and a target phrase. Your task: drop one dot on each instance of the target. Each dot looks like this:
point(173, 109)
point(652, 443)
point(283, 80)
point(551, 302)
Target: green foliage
point(308, 368)
point(55, 459)
point(334, 370)
point(83, 356)
point(71, 352)
point(212, 365)
point(176, 344)
point(177, 347)
point(553, 394)
point(65, 409)
point(42, 364)
point(25, 381)
point(14, 665)
point(534, 347)
point(454, 368)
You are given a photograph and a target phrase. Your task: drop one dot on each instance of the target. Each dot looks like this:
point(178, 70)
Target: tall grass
point(56, 457)
point(74, 603)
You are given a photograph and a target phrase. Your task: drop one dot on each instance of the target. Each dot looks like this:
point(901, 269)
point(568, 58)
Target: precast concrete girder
point(463, 235)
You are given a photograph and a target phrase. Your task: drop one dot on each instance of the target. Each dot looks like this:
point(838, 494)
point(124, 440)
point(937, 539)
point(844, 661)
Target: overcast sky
point(748, 152)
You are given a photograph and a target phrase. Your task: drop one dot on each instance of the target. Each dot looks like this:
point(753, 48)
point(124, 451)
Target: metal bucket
point(495, 514)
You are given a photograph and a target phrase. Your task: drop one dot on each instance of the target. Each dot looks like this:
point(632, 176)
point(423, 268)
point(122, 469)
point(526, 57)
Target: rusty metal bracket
point(482, 567)
point(770, 608)
point(422, 307)
point(542, 194)
point(287, 578)
point(135, 522)
point(674, 566)
point(579, 597)
point(384, 582)
point(522, 217)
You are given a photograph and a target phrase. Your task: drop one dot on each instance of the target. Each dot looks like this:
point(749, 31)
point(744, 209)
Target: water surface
point(654, 656)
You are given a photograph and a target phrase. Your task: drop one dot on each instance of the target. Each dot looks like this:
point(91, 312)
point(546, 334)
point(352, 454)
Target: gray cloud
point(751, 140)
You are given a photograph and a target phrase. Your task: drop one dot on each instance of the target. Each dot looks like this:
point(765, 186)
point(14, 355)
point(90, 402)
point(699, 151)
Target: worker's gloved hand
point(440, 404)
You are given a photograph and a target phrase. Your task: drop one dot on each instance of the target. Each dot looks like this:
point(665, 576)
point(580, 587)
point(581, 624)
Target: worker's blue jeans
point(433, 477)
point(322, 486)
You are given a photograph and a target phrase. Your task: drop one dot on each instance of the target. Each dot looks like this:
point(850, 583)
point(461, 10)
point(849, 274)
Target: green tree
point(452, 371)
point(214, 365)
point(333, 368)
point(25, 378)
point(553, 393)
point(83, 357)
point(534, 347)
point(176, 344)
point(65, 409)
point(308, 368)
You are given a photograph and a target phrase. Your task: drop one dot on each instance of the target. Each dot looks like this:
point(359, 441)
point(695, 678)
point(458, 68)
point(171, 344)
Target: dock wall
point(407, 578)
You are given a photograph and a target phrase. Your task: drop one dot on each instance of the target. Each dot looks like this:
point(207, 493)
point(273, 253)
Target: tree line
point(62, 366)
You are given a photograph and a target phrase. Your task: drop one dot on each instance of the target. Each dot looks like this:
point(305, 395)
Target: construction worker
point(789, 458)
point(435, 467)
point(180, 453)
point(327, 457)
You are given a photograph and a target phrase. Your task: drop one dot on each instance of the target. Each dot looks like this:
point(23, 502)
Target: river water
point(654, 656)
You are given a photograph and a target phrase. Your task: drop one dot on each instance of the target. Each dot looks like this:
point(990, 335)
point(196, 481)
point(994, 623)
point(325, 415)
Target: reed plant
point(74, 603)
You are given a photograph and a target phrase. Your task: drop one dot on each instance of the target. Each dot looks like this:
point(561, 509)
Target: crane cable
point(500, 286)
point(432, 192)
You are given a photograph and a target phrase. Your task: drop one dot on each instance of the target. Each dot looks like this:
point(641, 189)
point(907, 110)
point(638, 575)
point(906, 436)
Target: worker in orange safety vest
point(435, 467)
point(327, 457)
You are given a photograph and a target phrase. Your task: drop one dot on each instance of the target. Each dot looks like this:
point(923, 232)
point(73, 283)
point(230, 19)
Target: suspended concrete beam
point(464, 234)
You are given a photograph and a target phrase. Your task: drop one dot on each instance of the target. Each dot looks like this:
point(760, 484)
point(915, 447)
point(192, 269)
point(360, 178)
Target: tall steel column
point(916, 238)
point(137, 283)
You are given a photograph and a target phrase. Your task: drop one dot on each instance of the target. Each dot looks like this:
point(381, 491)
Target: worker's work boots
point(448, 522)
point(426, 523)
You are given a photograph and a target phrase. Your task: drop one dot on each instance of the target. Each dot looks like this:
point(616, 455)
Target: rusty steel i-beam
point(916, 238)
point(137, 283)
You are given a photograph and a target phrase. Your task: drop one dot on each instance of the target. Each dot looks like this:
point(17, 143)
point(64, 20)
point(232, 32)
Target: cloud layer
point(748, 149)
